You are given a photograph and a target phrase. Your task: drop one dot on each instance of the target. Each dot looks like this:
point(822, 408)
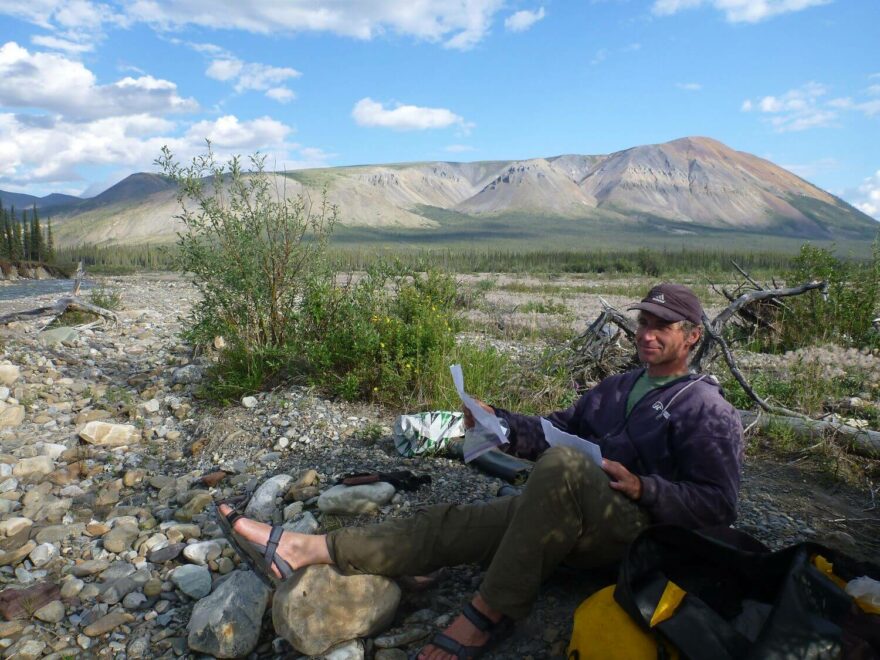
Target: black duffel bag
point(725, 598)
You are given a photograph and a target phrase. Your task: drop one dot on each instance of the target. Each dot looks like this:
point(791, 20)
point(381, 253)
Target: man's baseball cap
point(672, 302)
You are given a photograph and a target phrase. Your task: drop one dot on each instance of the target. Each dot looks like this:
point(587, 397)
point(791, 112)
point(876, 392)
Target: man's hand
point(622, 479)
point(469, 420)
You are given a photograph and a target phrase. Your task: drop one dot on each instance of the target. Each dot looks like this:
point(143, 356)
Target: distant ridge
point(693, 185)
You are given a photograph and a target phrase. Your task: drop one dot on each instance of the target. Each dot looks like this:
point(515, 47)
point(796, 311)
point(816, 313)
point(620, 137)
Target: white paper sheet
point(557, 438)
point(494, 435)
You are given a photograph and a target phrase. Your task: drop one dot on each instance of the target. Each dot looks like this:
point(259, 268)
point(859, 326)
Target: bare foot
point(296, 549)
point(463, 632)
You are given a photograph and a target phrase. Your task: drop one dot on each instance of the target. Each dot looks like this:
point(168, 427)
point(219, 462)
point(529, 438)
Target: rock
point(187, 375)
point(11, 415)
point(153, 587)
point(21, 603)
point(71, 587)
point(196, 505)
point(115, 590)
point(26, 649)
point(106, 434)
point(57, 335)
point(168, 553)
point(305, 523)
point(33, 469)
point(194, 581)
point(138, 648)
point(202, 552)
point(51, 612)
point(402, 637)
point(292, 510)
point(120, 538)
point(133, 478)
point(227, 623)
point(133, 600)
point(262, 504)
point(352, 500)
point(90, 567)
point(152, 406)
point(16, 525)
point(225, 565)
point(319, 607)
point(12, 557)
point(107, 623)
point(9, 373)
point(249, 402)
point(350, 650)
point(43, 554)
point(390, 654)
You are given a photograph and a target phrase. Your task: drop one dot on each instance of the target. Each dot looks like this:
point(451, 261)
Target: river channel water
point(26, 288)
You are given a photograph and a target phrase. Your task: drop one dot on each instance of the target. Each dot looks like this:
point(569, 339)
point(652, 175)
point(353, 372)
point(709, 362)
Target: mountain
point(23, 201)
point(693, 186)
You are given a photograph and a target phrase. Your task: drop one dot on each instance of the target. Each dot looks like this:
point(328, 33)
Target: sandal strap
point(233, 516)
point(480, 621)
point(272, 544)
point(457, 649)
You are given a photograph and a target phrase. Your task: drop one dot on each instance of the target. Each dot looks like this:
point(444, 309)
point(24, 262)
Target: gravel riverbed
point(110, 535)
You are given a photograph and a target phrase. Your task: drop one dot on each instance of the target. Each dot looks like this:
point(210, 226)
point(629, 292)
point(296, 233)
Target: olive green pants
point(567, 513)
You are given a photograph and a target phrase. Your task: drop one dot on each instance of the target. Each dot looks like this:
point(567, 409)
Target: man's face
point(663, 343)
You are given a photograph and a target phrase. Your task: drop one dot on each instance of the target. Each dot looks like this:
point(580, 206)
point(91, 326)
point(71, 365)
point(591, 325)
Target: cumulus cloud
point(52, 82)
point(368, 112)
point(866, 198)
point(738, 11)
point(460, 24)
point(56, 151)
point(523, 20)
point(254, 76)
point(808, 106)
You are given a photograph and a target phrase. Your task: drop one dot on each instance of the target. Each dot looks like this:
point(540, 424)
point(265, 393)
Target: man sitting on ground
point(672, 449)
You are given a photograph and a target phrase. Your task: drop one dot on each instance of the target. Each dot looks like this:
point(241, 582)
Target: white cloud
point(460, 24)
point(368, 112)
point(523, 20)
point(689, 86)
point(807, 107)
point(58, 43)
point(280, 94)
point(37, 150)
point(738, 11)
point(224, 69)
point(866, 198)
point(254, 76)
point(54, 83)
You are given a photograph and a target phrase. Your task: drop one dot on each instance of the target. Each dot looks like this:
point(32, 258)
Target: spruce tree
point(50, 243)
point(38, 248)
point(26, 237)
point(16, 253)
point(5, 237)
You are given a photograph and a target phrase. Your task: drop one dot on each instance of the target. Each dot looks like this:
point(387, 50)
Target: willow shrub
point(845, 315)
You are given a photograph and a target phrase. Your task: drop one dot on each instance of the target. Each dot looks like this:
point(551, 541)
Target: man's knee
point(567, 465)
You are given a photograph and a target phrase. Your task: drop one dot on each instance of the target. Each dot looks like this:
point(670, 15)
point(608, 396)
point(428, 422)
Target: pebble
point(202, 552)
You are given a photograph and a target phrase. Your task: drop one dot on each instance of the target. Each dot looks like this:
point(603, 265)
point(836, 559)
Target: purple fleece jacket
point(684, 440)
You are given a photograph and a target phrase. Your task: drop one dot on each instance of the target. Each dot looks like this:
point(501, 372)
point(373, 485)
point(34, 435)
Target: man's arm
point(707, 448)
point(527, 436)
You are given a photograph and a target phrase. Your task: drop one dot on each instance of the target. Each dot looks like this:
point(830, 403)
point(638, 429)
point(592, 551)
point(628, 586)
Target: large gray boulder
point(319, 607)
point(227, 623)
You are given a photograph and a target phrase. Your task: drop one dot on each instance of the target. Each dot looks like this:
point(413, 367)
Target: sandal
point(497, 632)
point(259, 558)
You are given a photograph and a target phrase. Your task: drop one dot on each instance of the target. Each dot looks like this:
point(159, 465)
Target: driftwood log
point(68, 303)
point(859, 441)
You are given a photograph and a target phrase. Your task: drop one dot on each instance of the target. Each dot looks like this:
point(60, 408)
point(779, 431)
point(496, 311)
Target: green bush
point(845, 317)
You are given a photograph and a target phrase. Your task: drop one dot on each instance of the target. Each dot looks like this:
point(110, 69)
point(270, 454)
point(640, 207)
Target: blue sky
point(91, 90)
